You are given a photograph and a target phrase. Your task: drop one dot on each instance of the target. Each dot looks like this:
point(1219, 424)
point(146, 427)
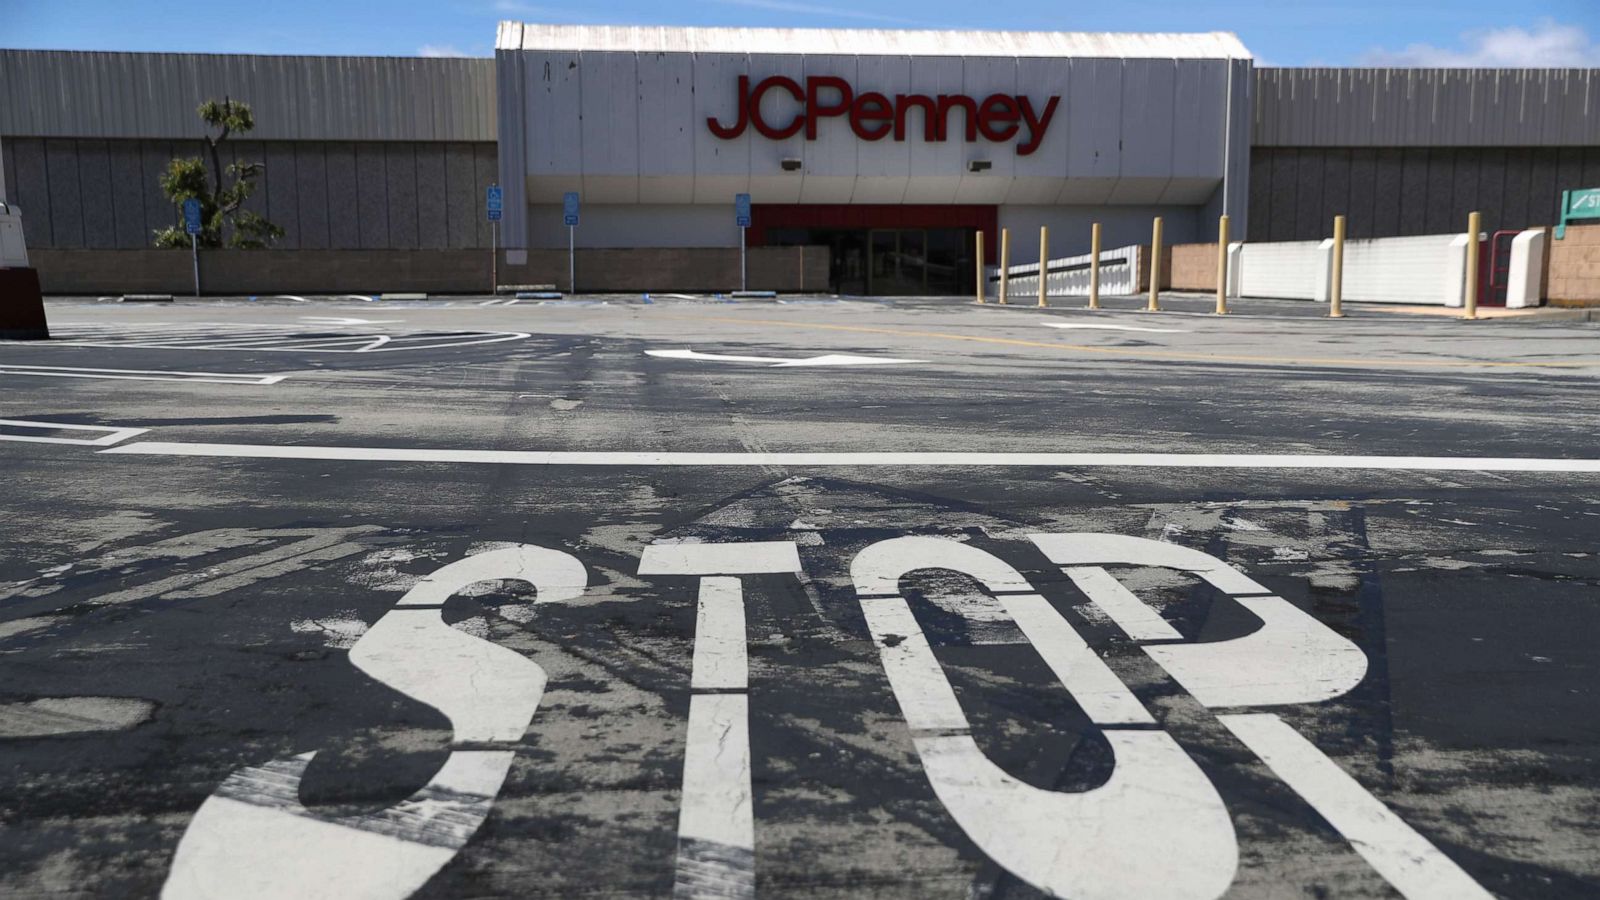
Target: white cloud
point(441, 50)
point(1548, 44)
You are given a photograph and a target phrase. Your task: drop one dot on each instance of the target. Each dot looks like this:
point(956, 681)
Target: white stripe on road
point(883, 458)
point(1124, 607)
point(139, 374)
point(112, 435)
point(1406, 859)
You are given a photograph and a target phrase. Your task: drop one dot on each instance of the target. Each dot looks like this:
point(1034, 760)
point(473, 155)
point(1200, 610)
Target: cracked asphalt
point(180, 626)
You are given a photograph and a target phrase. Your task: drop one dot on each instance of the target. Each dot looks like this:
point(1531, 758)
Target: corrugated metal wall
point(1296, 191)
point(55, 93)
point(103, 194)
point(1427, 108)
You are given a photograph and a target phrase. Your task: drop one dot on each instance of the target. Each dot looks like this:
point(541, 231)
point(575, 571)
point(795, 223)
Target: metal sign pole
point(191, 224)
point(572, 261)
point(494, 258)
point(743, 281)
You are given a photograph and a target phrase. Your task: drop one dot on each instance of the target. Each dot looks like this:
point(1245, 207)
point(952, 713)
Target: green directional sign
point(1576, 205)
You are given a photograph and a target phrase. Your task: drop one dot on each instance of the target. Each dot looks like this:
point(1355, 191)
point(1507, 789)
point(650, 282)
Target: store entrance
point(890, 262)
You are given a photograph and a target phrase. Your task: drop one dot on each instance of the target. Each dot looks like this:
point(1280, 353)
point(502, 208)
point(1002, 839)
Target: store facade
point(891, 149)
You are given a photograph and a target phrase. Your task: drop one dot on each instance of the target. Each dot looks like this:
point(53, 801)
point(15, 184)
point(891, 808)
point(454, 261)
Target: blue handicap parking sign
point(494, 202)
point(741, 210)
point(191, 216)
point(569, 207)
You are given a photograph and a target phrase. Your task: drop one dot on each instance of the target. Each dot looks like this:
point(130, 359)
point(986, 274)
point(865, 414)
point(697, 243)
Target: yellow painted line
point(1147, 354)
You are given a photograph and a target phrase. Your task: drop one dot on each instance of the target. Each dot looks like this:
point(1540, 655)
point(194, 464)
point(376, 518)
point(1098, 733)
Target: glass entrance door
point(898, 262)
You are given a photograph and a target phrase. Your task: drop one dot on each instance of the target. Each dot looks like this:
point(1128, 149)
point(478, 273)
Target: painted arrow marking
point(778, 362)
point(338, 320)
point(1101, 327)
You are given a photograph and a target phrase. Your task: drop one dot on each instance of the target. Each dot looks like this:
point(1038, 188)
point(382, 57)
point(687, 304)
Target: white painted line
point(931, 458)
point(1131, 614)
point(1101, 694)
point(140, 374)
point(778, 362)
point(1291, 658)
point(716, 825)
point(347, 320)
point(1093, 843)
point(716, 828)
point(113, 436)
point(1405, 858)
point(290, 297)
point(1103, 327)
point(237, 842)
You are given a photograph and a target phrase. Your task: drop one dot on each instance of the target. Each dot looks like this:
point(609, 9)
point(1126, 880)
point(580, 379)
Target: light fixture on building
point(790, 164)
point(979, 165)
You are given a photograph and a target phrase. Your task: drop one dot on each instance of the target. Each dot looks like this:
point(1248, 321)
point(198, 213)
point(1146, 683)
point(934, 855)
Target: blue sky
point(1285, 32)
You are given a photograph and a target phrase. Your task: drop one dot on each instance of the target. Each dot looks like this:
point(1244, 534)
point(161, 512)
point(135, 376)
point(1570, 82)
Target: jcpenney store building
point(892, 149)
point(872, 157)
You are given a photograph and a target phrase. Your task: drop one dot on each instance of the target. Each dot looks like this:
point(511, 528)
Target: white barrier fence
point(1421, 270)
point(1427, 269)
point(1069, 276)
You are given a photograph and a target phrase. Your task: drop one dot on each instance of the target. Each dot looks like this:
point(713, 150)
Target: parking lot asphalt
point(802, 598)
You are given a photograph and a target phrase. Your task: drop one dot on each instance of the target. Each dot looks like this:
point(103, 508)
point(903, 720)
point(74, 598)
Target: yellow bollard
point(1155, 266)
point(982, 288)
point(1474, 222)
point(1222, 266)
point(1094, 266)
point(1044, 262)
point(1336, 280)
point(1005, 263)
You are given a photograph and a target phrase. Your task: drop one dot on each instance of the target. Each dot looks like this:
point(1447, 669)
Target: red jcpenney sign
point(873, 116)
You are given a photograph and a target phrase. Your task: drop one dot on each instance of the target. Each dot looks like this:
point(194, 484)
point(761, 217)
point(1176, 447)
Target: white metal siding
point(154, 95)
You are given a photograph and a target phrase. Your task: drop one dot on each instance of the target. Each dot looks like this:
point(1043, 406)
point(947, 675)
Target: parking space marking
point(1158, 354)
point(939, 459)
point(140, 374)
point(1403, 857)
point(249, 336)
point(112, 436)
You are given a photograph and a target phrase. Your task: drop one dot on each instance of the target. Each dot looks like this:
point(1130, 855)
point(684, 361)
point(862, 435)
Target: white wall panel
point(830, 160)
point(769, 183)
point(936, 168)
point(721, 167)
point(1291, 270)
point(554, 133)
point(883, 166)
point(1094, 156)
point(610, 128)
point(1149, 94)
point(980, 77)
point(1423, 269)
point(667, 127)
point(1039, 174)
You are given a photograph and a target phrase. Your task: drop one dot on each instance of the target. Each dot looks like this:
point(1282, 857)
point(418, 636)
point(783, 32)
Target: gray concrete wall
point(88, 193)
point(250, 272)
point(1389, 192)
point(1308, 107)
